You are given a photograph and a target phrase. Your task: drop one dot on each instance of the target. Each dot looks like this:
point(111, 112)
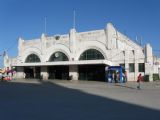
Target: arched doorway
point(91, 54)
point(32, 58)
point(32, 71)
point(94, 72)
point(58, 72)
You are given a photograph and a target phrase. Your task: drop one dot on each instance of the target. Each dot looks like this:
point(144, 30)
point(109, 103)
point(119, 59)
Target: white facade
point(115, 47)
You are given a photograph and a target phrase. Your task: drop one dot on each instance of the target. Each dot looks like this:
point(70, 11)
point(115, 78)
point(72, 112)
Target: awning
point(82, 62)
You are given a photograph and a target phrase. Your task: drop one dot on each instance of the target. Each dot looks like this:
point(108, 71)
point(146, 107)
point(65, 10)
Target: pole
point(74, 19)
point(45, 25)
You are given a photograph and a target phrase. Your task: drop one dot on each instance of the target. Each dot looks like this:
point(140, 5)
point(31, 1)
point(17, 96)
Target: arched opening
point(93, 71)
point(58, 72)
point(91, 54)
point(32, 71)
point(58, 56)
point(32, 58)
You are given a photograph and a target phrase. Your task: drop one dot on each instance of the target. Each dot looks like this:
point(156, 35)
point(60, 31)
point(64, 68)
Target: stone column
point(43, 44)
point(111, 36)
point(73, 71)
point(126, 62)
point(149, 61)
point(44, 72)
point(136, 64)
point(72, 43)
point(20, 46)
point(72, 40)
point(20, 73)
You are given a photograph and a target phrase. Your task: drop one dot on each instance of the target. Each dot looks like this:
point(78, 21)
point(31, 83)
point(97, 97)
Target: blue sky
point(25, 18)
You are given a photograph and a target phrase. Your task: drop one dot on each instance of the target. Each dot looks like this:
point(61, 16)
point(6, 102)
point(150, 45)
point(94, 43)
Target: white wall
point(114, 46)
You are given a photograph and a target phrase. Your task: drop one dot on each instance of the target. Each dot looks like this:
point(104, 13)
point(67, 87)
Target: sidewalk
point(148, 96)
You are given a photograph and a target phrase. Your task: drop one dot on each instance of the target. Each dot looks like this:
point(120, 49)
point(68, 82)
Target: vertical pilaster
point(72, 41)
point(111, 37)
point(20, 73)
point(149, 54)
point(135, 64)
point(20, 46)
point(73, 71)
point(149, 61)
point(126, 62)
point(43, 44)
point(44, 72)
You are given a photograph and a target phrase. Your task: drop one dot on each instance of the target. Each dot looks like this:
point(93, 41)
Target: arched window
point(32, 58)
point(58, 56)
point(91, 54)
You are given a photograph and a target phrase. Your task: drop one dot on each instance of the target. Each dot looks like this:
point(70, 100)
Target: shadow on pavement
point(48, 101)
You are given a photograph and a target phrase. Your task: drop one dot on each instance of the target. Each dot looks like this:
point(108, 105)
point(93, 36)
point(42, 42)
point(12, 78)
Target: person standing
point(113, 77)
point(125, 76)
point(139, 79)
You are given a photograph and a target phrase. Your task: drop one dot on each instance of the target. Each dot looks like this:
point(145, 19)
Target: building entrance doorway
point(32, 72)
point(92, 72)
point(58, 72)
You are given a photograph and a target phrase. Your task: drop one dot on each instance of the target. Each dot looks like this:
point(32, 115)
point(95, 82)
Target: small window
point(57, 37)
point(141, 67)
point(131, 67)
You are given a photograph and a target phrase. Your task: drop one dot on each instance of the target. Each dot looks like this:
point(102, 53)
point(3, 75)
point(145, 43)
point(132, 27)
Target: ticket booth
point(115, 74)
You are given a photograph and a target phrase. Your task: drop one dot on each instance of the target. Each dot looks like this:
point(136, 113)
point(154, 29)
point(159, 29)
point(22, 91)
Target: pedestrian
point(113, 77)
point(125, 76)
point(117, 77)
point(139, 79)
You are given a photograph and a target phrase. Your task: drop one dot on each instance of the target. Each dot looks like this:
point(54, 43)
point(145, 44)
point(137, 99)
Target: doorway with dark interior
point(92, 72)
point(32, 72)
point(58, 72)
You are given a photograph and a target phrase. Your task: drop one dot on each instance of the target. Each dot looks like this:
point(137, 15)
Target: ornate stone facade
point(115, 47)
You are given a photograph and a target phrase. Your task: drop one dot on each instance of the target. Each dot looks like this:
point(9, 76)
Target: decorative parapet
point(91, 35)
point(63, 39)
point(32, 43)
point(15, 61)
point(128, 41)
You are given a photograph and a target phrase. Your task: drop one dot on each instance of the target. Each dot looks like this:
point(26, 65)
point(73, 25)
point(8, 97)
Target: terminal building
point(82, 55)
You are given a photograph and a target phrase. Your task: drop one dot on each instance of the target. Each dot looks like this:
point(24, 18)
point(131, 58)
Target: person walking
point(139, 79)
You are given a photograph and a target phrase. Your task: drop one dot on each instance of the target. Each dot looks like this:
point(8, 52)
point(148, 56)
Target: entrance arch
point(91, 54)
point(58, 72)
point(58, 56)
point(32, 71)
point(32, 58)
point(94, 71)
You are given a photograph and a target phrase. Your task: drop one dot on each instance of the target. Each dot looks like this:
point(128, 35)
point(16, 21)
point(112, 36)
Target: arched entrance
point(94, 72)
point(60, 72)
point(32, 71)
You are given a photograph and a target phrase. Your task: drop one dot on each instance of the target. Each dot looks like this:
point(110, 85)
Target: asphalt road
point(75, 101)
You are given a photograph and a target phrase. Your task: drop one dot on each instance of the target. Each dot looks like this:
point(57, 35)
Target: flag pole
point(74, 19)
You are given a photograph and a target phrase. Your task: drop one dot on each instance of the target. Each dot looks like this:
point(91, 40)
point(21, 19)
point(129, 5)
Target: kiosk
point(115, 74)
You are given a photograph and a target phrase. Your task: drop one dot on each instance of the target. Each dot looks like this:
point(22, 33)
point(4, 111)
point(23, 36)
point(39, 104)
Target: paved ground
point(78, 100)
